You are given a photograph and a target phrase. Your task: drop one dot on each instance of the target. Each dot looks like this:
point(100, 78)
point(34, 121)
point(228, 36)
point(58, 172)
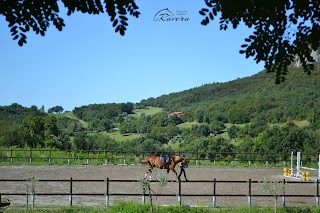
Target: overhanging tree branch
point(24, 15)
point(282, 30)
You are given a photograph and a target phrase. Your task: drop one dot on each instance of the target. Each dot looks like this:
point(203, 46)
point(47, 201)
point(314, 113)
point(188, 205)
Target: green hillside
point(251, 114)
point(252, 98)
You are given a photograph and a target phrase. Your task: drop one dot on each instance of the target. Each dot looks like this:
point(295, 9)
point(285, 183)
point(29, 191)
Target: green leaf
point(202, 13)
point(124, 23)
point(13, 29)
point(123, 18)
point(22, 29)
point(115, 23)
point(211, 16)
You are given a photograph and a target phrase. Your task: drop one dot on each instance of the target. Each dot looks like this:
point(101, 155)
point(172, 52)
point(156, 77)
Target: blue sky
point(88, 63)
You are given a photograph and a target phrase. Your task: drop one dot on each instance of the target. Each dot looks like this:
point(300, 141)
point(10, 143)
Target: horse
point(155, 161)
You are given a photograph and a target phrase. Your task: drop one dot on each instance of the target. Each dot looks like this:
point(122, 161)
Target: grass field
point(130, 207)
point(188, 124)
point(70, 115)
point(147, 111)
point(122, 137)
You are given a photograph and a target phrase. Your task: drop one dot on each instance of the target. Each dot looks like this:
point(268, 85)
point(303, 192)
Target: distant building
point(176, 113)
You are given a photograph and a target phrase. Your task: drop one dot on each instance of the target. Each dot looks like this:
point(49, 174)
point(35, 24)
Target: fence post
point(197, 159)
point(249, 196)
point(179, 196)
point(143, 198)
point(69, 158)
point(50, 156)
point(30, 160)
point(33, 198)
point(87, 162)
point(214, 200)
point(284, 197)
point(317, 197)
point(70, 196)
point(11, 159)
point(107, 193)
point(105, 157)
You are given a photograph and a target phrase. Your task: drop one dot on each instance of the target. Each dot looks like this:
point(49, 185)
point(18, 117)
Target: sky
point(88, 63)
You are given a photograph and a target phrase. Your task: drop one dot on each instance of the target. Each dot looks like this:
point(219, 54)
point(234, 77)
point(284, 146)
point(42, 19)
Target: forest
point(251, 114)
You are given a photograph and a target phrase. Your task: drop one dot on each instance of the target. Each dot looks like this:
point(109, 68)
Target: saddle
point(165, 159)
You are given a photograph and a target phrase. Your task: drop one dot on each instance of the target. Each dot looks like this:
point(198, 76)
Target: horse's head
point(182, 159)
point(184, 162)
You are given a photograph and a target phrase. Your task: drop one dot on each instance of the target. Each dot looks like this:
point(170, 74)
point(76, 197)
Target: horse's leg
point(177, 178)
point(150, 172)
point(146, 174)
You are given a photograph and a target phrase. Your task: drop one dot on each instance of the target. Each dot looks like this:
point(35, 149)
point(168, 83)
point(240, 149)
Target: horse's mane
point(178, 158)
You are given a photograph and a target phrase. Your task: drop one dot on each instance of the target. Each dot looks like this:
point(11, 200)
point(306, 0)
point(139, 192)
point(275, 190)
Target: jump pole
point(298, 163)
point(291, 173)
point(318, 166)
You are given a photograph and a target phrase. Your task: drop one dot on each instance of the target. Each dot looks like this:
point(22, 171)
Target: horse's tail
point(142, 162)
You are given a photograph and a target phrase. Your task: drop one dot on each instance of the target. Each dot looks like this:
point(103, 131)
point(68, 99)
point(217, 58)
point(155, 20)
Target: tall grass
point(132, 207)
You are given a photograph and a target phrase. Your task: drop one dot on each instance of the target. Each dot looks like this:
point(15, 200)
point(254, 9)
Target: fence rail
point(127, 157)
point(215, 193)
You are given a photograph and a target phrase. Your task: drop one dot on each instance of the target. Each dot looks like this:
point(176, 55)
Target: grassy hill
point(149, 110)
point(72, 116)
point(274, 113)
point(250, 98)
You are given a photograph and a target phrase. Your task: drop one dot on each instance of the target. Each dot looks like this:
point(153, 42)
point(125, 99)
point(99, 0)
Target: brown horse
point(155, 161)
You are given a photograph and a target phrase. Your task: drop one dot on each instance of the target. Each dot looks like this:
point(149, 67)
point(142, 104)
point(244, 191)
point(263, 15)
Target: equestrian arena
point(136, 172)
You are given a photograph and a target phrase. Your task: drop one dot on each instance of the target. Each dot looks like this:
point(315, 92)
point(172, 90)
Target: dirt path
point(136, 173)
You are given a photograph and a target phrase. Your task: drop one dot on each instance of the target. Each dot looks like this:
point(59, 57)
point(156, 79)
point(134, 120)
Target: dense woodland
point(251, 114)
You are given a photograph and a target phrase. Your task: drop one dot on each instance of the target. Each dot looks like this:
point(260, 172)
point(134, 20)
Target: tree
point(275, 187)
point(81, 142)
point(283, 30)
point(233, 132)
point(10, 135)
point(34, 128)
point(216, 127)
point(56, 109)
point(23, 15)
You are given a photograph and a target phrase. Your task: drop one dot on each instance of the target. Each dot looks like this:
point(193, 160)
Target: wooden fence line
point(144, 194)
point(129, 155)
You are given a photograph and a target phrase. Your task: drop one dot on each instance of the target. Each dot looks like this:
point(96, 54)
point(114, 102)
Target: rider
point(182, 166)
point(165, 158)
